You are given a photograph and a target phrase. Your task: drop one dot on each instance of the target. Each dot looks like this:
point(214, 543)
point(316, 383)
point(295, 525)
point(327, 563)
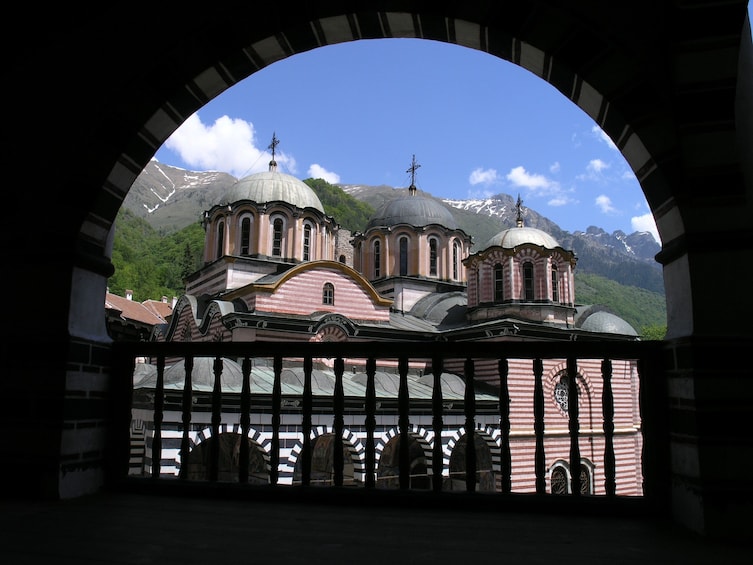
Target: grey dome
point(414, 210)
point(606, 322)
point(272, 186)
point(442, 308)
point(513, 237)
point(202, 375)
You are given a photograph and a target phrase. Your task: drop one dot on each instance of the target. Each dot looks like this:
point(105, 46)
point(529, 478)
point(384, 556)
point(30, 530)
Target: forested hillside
point(350, 213)
point(149, 264)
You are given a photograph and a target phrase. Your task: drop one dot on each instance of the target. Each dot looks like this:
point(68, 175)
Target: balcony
point(185, 427)
point(154, 515)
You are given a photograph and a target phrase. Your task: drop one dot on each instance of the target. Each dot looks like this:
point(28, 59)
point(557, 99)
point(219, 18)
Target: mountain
point(170, 198)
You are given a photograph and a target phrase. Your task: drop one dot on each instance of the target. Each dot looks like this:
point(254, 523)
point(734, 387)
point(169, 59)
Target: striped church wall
point(303, 294)
point(627, 446)
point(520, 382)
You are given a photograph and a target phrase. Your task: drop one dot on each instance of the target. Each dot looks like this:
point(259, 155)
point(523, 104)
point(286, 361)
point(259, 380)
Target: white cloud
point(228, 145)
point(605, 204)
point(595, 171)
point(316, 171)
point(560, 200)
point(538, 185)
point(603, 137)
point(647, 223)
point(481, 176)
point(597, 166)
point(534, 182)
point(554, 167)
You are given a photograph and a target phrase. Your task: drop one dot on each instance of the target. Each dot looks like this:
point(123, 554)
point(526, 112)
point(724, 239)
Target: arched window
point(277, 237)
point(562, 391)
point(403, 256)
point(432, 257)
point(328, 294)
point(220, 239)
point(246, 235)
point(499, 284)
point(560, 479)
point(342, 259)
point(560, 482)
point(477, 277)
point(586, 484)
point(306, 242)
point(455, 260)
point(528, 281)
point(555, 284)
point(377, 259)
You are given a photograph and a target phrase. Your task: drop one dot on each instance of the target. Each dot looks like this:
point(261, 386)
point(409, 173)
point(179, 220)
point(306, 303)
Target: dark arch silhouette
point(670, 82)
point(198, 461)
point(322, 463)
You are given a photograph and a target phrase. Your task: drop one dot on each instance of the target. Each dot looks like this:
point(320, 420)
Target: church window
point(306, 242)
point(377, 259)
point(433, 257)
point(555, 284)
point(561, 393)
point(528, 281)
point(246, 236)
point(585, 480)
point(403, 256)
point(328, 294)
point(455, 260)
point(277, 238)
point(477, 278)
point(220, 239)
point(499, 284)
point(559, 481)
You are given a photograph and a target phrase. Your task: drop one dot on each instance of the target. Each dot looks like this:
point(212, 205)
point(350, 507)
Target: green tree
point(351, 214)
point(653, 332)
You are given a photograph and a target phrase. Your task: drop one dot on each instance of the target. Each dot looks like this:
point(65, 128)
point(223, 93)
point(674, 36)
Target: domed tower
point(265, 222)
point(523, 273)
point(411, 247)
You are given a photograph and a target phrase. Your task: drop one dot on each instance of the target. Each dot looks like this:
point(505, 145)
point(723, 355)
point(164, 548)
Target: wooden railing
point(437, 355)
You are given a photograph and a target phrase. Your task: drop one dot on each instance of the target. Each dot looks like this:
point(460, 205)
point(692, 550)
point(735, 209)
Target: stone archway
point(485, 476)
point(678, 105)
point(419, 455)
point(322, 463)
point(198, 463)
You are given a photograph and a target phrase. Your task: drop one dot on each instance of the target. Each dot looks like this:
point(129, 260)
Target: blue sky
point(357, 113)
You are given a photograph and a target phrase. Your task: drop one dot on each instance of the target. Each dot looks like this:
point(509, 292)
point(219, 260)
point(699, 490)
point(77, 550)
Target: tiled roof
point(134, 311)
point(159, 308)
point(292, 379)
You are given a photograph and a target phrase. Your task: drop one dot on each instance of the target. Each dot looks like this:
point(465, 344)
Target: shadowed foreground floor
point(124, 528)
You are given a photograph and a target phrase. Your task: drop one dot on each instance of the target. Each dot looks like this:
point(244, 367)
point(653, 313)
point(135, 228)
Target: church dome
point(414, 210)
point(273, 186)
point(520, 235)
point(606, 322)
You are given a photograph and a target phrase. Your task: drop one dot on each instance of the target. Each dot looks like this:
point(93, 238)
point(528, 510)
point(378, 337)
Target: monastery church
point(276, 267)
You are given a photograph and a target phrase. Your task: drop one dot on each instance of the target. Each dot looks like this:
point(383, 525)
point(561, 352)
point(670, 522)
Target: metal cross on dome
point(273, 145)
point(412, 171)
point(519, 205)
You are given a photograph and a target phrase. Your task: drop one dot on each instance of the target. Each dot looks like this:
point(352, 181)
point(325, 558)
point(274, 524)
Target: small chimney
point(175, 300)
point(129, 294)
point(164, 300)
